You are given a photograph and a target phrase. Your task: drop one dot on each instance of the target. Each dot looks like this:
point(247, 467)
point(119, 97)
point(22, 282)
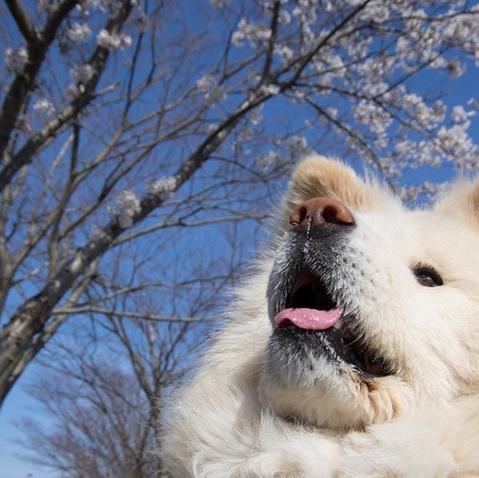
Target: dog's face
point(374, 308)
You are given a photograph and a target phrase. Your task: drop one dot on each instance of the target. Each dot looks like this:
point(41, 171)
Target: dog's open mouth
point(311, 313)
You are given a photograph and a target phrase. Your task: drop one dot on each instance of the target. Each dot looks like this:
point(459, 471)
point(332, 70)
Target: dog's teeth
point(338, 324)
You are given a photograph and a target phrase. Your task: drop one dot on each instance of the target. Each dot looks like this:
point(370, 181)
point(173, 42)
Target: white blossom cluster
point(79, 32)
point(450, 142)
point(460, 115)
point(454, 141)
point(250, 32)
point(113, 41)
point(44, 106)
point(206, 83)
point(106, 6)
point(283, 52)
point(426, 188)
point(372, 115)
point(425, 116)
point(127, 206)
point(298, 146)
point(256, 116)
point(370, 71)
point(269, 160)
point(73, 91)
point(294, 147)
point(163, 186)
point(270, 89)
point(82, 74)
point(209, 87)
point(16, 59)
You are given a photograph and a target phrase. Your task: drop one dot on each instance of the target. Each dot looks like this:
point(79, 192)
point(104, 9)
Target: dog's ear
point(318, 176)
point(461, 201)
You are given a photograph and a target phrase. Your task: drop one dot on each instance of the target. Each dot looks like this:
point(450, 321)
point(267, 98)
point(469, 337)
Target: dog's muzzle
point(305, 308)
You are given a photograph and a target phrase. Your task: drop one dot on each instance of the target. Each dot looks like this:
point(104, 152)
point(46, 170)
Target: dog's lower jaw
point(351, 405)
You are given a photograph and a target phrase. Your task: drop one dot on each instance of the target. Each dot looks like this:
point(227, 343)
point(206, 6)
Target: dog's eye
point(427, 276)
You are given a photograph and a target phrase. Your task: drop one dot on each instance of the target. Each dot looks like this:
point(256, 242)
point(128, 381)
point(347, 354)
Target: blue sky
point(17, 405)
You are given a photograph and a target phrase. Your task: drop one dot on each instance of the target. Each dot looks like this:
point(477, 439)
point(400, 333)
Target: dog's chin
point(328, 396)
point(321, 378)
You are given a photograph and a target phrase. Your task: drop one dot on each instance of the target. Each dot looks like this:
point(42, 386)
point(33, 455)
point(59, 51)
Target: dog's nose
point(320, 211)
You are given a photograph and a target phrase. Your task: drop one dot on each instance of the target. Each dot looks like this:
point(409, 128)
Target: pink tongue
point(311, 319)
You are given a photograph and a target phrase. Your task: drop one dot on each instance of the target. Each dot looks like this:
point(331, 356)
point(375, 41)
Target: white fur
point(234, 418)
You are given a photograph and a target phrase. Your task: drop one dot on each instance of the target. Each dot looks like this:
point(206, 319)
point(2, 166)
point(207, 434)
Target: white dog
point(353, 351)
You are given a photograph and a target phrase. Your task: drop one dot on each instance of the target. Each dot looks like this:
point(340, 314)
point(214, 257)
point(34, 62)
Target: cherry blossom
point(82, 73)
point(16, 59)
point(127, 205)
point(79, 32)
point(208, 85)
point(44, 105)
point(163, 185)
point(112, 41)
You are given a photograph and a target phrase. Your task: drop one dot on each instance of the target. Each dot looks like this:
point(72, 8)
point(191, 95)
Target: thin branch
point(130, 315)
point(265, 77)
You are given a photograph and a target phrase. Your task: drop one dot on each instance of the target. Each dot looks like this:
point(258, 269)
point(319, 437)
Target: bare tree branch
point(129, 315)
